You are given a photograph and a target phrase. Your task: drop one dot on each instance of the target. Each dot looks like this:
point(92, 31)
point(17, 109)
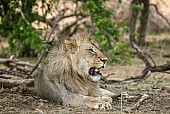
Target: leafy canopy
point(24, 40)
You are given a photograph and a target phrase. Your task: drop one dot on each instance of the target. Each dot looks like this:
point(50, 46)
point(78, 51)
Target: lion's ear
point(71, 45)
point(89, 35)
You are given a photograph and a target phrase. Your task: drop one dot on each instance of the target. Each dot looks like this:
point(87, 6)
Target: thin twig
point(47, 41)
point(121, 100)
point(22, 14)
point(57, 19)
point(137, 104)
point(160, 14)
point(164, 3)
point(76, 23)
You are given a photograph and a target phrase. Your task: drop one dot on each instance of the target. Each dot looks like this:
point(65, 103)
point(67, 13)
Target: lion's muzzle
point(94, 71)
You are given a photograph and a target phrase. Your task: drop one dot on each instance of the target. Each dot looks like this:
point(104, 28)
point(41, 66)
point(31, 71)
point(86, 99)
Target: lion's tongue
point(94, 71)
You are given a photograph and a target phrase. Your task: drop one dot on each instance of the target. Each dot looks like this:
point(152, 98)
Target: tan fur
point(64, 77)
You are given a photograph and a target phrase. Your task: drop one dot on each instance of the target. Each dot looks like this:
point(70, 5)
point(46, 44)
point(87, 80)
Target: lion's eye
point(91, 50)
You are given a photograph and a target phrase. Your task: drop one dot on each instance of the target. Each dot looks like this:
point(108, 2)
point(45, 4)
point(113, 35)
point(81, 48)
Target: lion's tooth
point(96, 70)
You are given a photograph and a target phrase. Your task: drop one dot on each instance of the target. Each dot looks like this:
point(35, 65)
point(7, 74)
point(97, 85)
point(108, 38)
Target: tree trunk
point(143, 22)
point(140, 40)
point(133, 19)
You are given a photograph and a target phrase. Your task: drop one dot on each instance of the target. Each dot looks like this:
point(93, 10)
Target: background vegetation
point(16, 19)
point(24, 40)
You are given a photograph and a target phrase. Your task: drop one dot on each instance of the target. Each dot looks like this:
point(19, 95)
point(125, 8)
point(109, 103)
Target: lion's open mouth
point(94, 71)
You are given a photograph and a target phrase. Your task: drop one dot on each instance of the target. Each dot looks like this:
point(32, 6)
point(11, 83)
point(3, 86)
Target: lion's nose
point(104, 60)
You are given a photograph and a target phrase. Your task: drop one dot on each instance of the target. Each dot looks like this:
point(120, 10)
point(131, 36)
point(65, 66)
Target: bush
point(24, 41)
point(107, 32)
point(22, 37)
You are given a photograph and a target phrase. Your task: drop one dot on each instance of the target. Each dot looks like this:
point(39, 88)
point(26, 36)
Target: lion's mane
point(59, 66)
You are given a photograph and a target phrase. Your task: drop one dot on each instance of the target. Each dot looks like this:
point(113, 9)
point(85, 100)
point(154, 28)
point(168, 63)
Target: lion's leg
point(86, 101)
point(105, 98)
point(104, 92)
point(57, 92)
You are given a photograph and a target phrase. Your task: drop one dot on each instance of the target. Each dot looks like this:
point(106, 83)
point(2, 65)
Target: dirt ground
point(23, 100)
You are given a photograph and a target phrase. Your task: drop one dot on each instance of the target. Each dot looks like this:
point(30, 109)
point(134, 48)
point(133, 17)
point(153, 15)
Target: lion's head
point(76, 62)
point(85, 55)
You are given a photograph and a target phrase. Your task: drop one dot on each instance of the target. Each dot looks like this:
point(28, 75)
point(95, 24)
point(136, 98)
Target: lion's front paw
point(97, 103)
point(102, 105)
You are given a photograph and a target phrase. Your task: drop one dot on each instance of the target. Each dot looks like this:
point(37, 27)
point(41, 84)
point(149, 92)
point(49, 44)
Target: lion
point(71, 73)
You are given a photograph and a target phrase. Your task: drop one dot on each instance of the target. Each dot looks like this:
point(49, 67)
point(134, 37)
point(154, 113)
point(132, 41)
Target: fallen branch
point(15, 73)
point(137, 104)
point(150, 67)
point(16, 67)
point(4, 61)
point(14, 63)
point(9, 83)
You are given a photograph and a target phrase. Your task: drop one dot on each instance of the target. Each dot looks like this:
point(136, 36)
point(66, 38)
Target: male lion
point(70, 75)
